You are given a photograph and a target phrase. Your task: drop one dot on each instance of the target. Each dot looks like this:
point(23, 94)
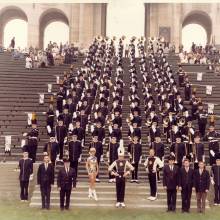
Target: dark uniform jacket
point(61, 133)
point(136, 151)
point(75, 150)
point(26, 169)
point(66, 180)
point(45, 177)
point(186, 178)
point(52, 148)
point(201, 182)
point(216, 174)
point(170, 178)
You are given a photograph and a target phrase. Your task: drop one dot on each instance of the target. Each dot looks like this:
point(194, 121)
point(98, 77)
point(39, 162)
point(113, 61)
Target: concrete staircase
point(23, 97)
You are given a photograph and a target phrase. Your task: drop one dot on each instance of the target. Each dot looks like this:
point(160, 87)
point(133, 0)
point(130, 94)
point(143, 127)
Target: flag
point(208, 90)
point(41, 98)
point(58, 79)
point(199, 76)
point(49, 87)
point(7, 143)
point(29, 118)
point(211, 107)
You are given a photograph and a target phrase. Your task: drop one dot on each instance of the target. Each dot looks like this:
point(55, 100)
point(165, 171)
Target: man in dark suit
point(65, 181)
point(215, 179)
point(201, 183)
point(75, 151)
point(52, 148)
point(45, 178)
point(26, 171)
point(186, 184)
point(170, 183)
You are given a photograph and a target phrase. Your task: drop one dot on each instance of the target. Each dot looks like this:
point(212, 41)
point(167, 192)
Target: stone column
point(176, 27)
point(33, 29)
point(92, 22)
point(74, 23)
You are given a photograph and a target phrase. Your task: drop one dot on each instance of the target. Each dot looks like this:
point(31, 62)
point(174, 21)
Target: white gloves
point(212, 153)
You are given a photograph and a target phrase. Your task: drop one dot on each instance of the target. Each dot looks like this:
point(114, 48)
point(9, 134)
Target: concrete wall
point(85, 20)
point(174, 16)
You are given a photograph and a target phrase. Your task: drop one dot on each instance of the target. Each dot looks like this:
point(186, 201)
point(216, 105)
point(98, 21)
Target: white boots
point(92, 194)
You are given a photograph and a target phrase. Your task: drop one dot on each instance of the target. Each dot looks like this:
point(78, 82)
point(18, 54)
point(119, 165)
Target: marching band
point(91, 100)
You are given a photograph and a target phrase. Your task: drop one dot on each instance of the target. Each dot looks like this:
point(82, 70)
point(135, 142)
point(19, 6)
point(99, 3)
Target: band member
point(66, 180)
point(134, 130)
point(80, 132)
point(212, 137)
point(186, 184)
point(188, 136)
point(61, 135)
point(115, 130)
point(33, 140)
point(153, 163)
point(92, 169)
point(75, 152)
point(45, 178)
point(123, 168)
point(67, 119)
point(215, 179)
point(181, 75)
point(112, 154)
point(100, 131)
point(50, 116)
point(201, 183)
point(198, 153)
point(158, 147)
point(187, 89)
point(135, 154)
point(202, 119)
point(98, 149)
point(26, 173)
point(52, 148)
point(153, 132)
point(170, 183)
point(60, 98)
point(178, 150)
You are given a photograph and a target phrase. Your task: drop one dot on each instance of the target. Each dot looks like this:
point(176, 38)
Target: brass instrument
point(176, 153)
point(166, 121)
point(49, 150)
point(149, 121)
point(182, 121)
point(189, 137)
point(194, 149)
point(132, 151)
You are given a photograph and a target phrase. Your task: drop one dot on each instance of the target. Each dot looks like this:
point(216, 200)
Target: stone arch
point(200, 18)
point(7, 14)
point(50, 15)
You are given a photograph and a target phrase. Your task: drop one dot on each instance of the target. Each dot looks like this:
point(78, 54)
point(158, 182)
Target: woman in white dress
point(28, 64)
